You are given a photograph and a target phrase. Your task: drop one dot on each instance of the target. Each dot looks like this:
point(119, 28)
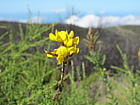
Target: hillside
point(128, 37)
point(132, 31)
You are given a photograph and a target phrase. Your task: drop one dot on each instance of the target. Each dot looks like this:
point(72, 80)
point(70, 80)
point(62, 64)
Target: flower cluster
point(67, 45)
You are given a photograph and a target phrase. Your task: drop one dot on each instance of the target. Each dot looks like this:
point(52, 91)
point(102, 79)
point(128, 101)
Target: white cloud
point(104, 21)
point(85, 21)
point(35, 19)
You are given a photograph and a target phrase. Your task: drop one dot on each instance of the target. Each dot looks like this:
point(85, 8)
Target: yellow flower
point(51, 54)
point(73, 50)
point(60, 59)
point(67, 48)
point(71, 42)
point(58, 36)
point(61, 53)
point(64, 38)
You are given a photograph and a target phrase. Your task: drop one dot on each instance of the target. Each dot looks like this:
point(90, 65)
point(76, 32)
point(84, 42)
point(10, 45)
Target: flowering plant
point(67, 47)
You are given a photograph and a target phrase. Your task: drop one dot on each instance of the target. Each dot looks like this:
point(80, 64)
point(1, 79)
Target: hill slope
point(127, 37)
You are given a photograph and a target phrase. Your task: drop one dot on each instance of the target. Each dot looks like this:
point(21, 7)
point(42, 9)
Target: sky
point(78, 12)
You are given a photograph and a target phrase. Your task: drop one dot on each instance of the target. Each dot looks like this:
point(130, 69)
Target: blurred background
point(105, 72)
point(83, 13)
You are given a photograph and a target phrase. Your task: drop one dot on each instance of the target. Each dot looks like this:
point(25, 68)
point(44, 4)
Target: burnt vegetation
point(127, 37)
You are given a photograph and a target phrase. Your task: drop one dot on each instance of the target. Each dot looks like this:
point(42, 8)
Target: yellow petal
point(52, 37)
point(63, 35)
point(76, 40)
point(62, 51)
point(60, 59)
point(50, 55)
point(58, 37)
point(71, 34)
point(77, 50)
point(73, 50)
point(69, 43)
point(65, 42)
